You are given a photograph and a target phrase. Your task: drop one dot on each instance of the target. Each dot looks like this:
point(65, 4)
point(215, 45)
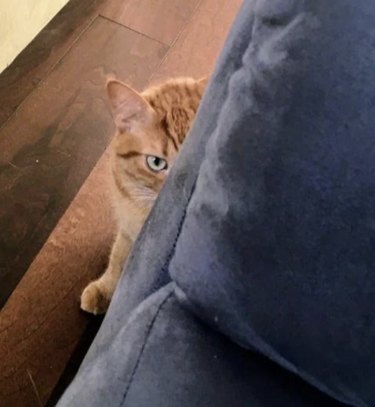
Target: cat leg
point(97, 295)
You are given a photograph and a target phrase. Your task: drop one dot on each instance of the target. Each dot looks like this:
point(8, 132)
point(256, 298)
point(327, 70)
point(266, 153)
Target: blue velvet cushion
point(165, 357)
point(277, 250)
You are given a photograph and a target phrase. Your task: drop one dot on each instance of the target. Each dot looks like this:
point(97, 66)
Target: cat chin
point(148, 202)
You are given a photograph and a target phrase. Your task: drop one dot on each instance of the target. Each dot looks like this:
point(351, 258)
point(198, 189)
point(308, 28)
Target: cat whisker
point(144, 194)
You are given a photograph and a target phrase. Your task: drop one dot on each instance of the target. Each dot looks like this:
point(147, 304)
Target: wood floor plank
point(40, 56)
point(41, 323)
point(196, 50)
point(159, 19)
point(55, 138)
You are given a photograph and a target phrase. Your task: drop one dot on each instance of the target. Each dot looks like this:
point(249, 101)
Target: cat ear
point(128, 106)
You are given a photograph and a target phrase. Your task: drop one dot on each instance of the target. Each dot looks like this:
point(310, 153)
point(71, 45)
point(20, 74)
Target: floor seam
point(197, 7)
point(133, 30)
point(194, 12)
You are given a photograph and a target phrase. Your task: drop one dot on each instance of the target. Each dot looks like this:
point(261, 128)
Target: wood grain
point(42, 54)
point(46, 150)
point(159, 19)
point(41, 323)
point(53, 141)
point(196, 50)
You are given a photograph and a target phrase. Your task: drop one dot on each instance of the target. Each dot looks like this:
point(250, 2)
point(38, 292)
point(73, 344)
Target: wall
point(20, 22)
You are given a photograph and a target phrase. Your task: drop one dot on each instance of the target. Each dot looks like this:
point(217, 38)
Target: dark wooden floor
point(55, 127)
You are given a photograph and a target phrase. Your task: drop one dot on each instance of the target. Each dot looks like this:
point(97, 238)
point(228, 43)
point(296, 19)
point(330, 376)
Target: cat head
point(150, 130)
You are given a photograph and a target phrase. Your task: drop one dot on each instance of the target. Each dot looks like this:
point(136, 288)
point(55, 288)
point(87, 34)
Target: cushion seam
point(148, 333)
point(182, 221)
point(170, 256)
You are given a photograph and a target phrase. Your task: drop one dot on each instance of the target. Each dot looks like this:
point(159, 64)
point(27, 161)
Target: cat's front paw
point(95, 299)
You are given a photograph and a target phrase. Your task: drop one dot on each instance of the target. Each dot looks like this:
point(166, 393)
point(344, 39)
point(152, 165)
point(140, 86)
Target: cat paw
point(94, 299)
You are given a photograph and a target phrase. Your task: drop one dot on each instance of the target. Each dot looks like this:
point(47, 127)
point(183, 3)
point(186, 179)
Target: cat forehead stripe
point(164, 125)
point(129, 154)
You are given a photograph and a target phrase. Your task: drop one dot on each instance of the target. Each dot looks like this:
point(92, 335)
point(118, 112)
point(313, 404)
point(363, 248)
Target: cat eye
point(156, 164)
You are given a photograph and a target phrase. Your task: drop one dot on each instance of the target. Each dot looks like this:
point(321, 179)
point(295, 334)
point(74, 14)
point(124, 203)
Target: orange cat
point(151, 127)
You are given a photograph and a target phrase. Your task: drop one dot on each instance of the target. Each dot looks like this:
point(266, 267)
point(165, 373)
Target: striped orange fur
point(150, 128)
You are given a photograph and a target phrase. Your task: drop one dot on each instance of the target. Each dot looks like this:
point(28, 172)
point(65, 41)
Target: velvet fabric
point(252, 282)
